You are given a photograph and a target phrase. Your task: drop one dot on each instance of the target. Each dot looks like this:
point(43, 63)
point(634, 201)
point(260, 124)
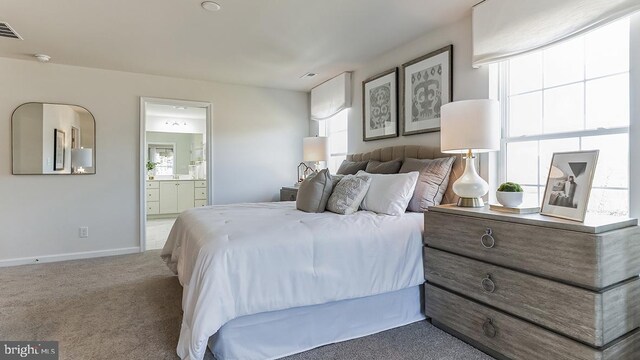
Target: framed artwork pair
point(410, 96)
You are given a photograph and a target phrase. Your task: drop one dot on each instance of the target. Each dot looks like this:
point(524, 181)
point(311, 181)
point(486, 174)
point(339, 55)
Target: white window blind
point(331, 97)
point(506, 28)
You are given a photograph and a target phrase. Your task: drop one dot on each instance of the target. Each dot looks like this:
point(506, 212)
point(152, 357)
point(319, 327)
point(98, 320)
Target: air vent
point(308, 75)
point(7, 31)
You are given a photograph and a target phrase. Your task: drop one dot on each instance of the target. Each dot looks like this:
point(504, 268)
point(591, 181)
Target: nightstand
point(288, 193)
point(534, 287)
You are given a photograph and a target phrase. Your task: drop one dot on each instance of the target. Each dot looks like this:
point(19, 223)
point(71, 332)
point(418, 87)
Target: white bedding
point(246, 259)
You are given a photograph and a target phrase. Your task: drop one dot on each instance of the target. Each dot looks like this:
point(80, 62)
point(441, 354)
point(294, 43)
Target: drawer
point(592, 317)
point(153, 194)
point(201, 184)
point(153, 208)
point(288, 195)
point(200, 203)
point(590, 260)
point(515, 338)
point(201, 194)
point(153, 185)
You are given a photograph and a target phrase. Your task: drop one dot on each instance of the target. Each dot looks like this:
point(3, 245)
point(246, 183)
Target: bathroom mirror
point(53, 139)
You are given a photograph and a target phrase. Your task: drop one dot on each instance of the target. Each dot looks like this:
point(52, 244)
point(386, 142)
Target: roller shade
point(506, 28)
point(331, 97)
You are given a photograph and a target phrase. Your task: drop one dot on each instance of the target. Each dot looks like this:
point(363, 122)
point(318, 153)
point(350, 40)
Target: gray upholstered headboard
point(416, 152)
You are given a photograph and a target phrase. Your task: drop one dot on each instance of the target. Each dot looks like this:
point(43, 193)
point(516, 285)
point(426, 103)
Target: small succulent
point(510, 187)
point(151, 165)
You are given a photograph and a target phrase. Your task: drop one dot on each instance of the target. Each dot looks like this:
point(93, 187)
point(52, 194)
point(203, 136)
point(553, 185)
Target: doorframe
point(142, 180)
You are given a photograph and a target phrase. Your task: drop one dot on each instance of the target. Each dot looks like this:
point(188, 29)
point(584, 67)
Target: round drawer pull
point(487, 239)
point(488, 328)
point(488, 285)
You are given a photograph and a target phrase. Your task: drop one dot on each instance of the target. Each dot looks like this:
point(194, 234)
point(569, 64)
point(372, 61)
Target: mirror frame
point(95, 140)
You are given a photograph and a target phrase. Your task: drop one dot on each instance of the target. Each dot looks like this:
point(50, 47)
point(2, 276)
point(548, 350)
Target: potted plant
point(509, 194)
point(151, 166)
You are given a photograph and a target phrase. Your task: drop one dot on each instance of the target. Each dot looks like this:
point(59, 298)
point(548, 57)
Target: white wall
point(256, 146)
point(27, 145)
point(468, 83)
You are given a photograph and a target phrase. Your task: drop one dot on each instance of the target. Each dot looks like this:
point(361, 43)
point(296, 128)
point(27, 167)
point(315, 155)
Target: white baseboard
point(69, 256)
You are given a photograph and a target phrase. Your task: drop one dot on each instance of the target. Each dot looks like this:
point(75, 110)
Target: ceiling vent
point(7, 31)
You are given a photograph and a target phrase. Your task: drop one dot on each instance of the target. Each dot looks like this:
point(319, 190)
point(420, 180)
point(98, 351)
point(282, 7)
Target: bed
point(262, 281)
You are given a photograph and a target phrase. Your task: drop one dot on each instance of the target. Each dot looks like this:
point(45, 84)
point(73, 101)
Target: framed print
point(569, 184)
point(58, 149)
point(380, 106)
point(427, 84)
point(75, 138)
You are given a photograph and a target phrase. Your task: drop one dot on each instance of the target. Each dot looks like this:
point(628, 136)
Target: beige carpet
point(128, 307)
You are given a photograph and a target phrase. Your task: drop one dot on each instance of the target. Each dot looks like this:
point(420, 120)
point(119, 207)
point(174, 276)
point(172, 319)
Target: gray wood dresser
point(288, 193)
point(534, 287)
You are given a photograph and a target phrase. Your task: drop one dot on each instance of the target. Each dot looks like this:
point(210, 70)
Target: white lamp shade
point(470, 125)
point(315, 148)
point(82, 157)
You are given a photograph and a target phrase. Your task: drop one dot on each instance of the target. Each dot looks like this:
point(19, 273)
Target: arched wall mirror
point(53, 139)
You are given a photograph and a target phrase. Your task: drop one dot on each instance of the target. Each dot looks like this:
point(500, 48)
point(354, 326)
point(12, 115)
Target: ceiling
point(269, 43)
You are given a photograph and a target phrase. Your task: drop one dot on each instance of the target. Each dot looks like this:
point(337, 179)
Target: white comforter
point(246, 259)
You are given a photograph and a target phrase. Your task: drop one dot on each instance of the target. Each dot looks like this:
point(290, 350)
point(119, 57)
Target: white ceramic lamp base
point(470, 187)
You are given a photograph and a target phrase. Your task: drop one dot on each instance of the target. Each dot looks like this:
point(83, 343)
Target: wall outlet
point(84, 232)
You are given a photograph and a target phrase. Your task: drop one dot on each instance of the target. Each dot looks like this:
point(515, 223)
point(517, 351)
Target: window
point(336, 129)
point(163, 156)
point(571, 96)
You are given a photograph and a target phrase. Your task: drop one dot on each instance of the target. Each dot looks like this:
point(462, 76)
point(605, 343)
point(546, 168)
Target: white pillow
point(389, 193)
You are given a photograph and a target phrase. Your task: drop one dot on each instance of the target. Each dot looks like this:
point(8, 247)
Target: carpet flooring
point(128, 307)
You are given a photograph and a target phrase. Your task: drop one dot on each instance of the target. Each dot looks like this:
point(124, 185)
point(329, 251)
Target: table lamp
point(81, 158)
point(315, 149)
point(470, 127)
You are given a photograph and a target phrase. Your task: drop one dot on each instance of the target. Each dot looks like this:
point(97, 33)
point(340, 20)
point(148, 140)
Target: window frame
point(155, 145)
point(503, 95)
point(324, 129)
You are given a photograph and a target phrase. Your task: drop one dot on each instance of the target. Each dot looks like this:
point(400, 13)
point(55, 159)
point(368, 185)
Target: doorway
point(175, 164)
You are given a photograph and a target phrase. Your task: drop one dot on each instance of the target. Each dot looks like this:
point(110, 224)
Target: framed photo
point(427, 84)
point(380, 106)
point(58, 149)
point(569, 184)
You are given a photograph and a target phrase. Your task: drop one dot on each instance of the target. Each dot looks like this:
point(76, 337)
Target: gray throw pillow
point(348, 194)
point(349, 167)
point(314, 192)
point(432, 182)
point(387, 167)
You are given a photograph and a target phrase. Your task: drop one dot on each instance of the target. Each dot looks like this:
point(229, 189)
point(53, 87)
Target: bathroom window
point(163, 155)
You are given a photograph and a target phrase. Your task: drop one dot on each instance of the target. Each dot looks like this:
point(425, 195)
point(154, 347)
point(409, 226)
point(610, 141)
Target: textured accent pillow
point(349, 167)
point(387, 167)
point(348, 194)
point(389, 193)
point(432, 183)
point(336, 179)
point(314, 192)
